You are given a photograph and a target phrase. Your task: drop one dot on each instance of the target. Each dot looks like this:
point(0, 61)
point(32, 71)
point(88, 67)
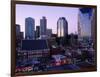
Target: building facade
point(43, 27)
point(19, 36)
point(62, 27)
point(17, 29)
point(37, 50)
point(37, 31)
point(84, 22)
point(29, 28)
point(49, 33)
point(93, 26)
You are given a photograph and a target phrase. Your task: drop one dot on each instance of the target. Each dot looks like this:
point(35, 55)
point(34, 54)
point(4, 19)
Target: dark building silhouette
point(19, 36)
point(49, 33)
point(34, 50)
point(37, 31)
point(17, 30)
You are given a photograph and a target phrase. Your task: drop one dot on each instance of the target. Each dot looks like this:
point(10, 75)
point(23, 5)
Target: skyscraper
point(17, 29)
point(43, 26)
point(84, 22)
point(62, 27)
point(29, 28)
point(93, 26)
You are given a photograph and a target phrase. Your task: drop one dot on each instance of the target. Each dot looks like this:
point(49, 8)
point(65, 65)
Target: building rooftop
point(34, 45)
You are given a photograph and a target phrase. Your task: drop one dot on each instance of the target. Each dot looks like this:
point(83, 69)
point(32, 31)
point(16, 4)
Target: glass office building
point(62, 27)
point(84, 22)
point(29, 28)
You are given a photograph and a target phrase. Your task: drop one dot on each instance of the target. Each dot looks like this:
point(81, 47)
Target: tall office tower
point(17, 29)
point(37, 31)
point(62, 27)
point(29, 28)
point(93, 26)
point(43, 27)
point(84, 22)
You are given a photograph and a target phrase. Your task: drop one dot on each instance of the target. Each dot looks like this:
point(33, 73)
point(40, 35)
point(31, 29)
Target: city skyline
point(50, 38)
point(24, 11)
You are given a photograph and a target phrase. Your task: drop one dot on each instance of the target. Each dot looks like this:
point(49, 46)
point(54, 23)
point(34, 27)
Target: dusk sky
point(52, 14)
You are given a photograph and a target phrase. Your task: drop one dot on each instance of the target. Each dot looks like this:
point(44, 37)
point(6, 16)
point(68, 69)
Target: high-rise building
point(29, 28)
point(17, 29)
point(19, 36)
point(93, 26)
point(43, 27)
point(37, 31)
point(84, 22)
point(62, 27)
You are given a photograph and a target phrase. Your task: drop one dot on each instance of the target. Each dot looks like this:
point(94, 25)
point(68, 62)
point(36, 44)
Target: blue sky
point(52, 14)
